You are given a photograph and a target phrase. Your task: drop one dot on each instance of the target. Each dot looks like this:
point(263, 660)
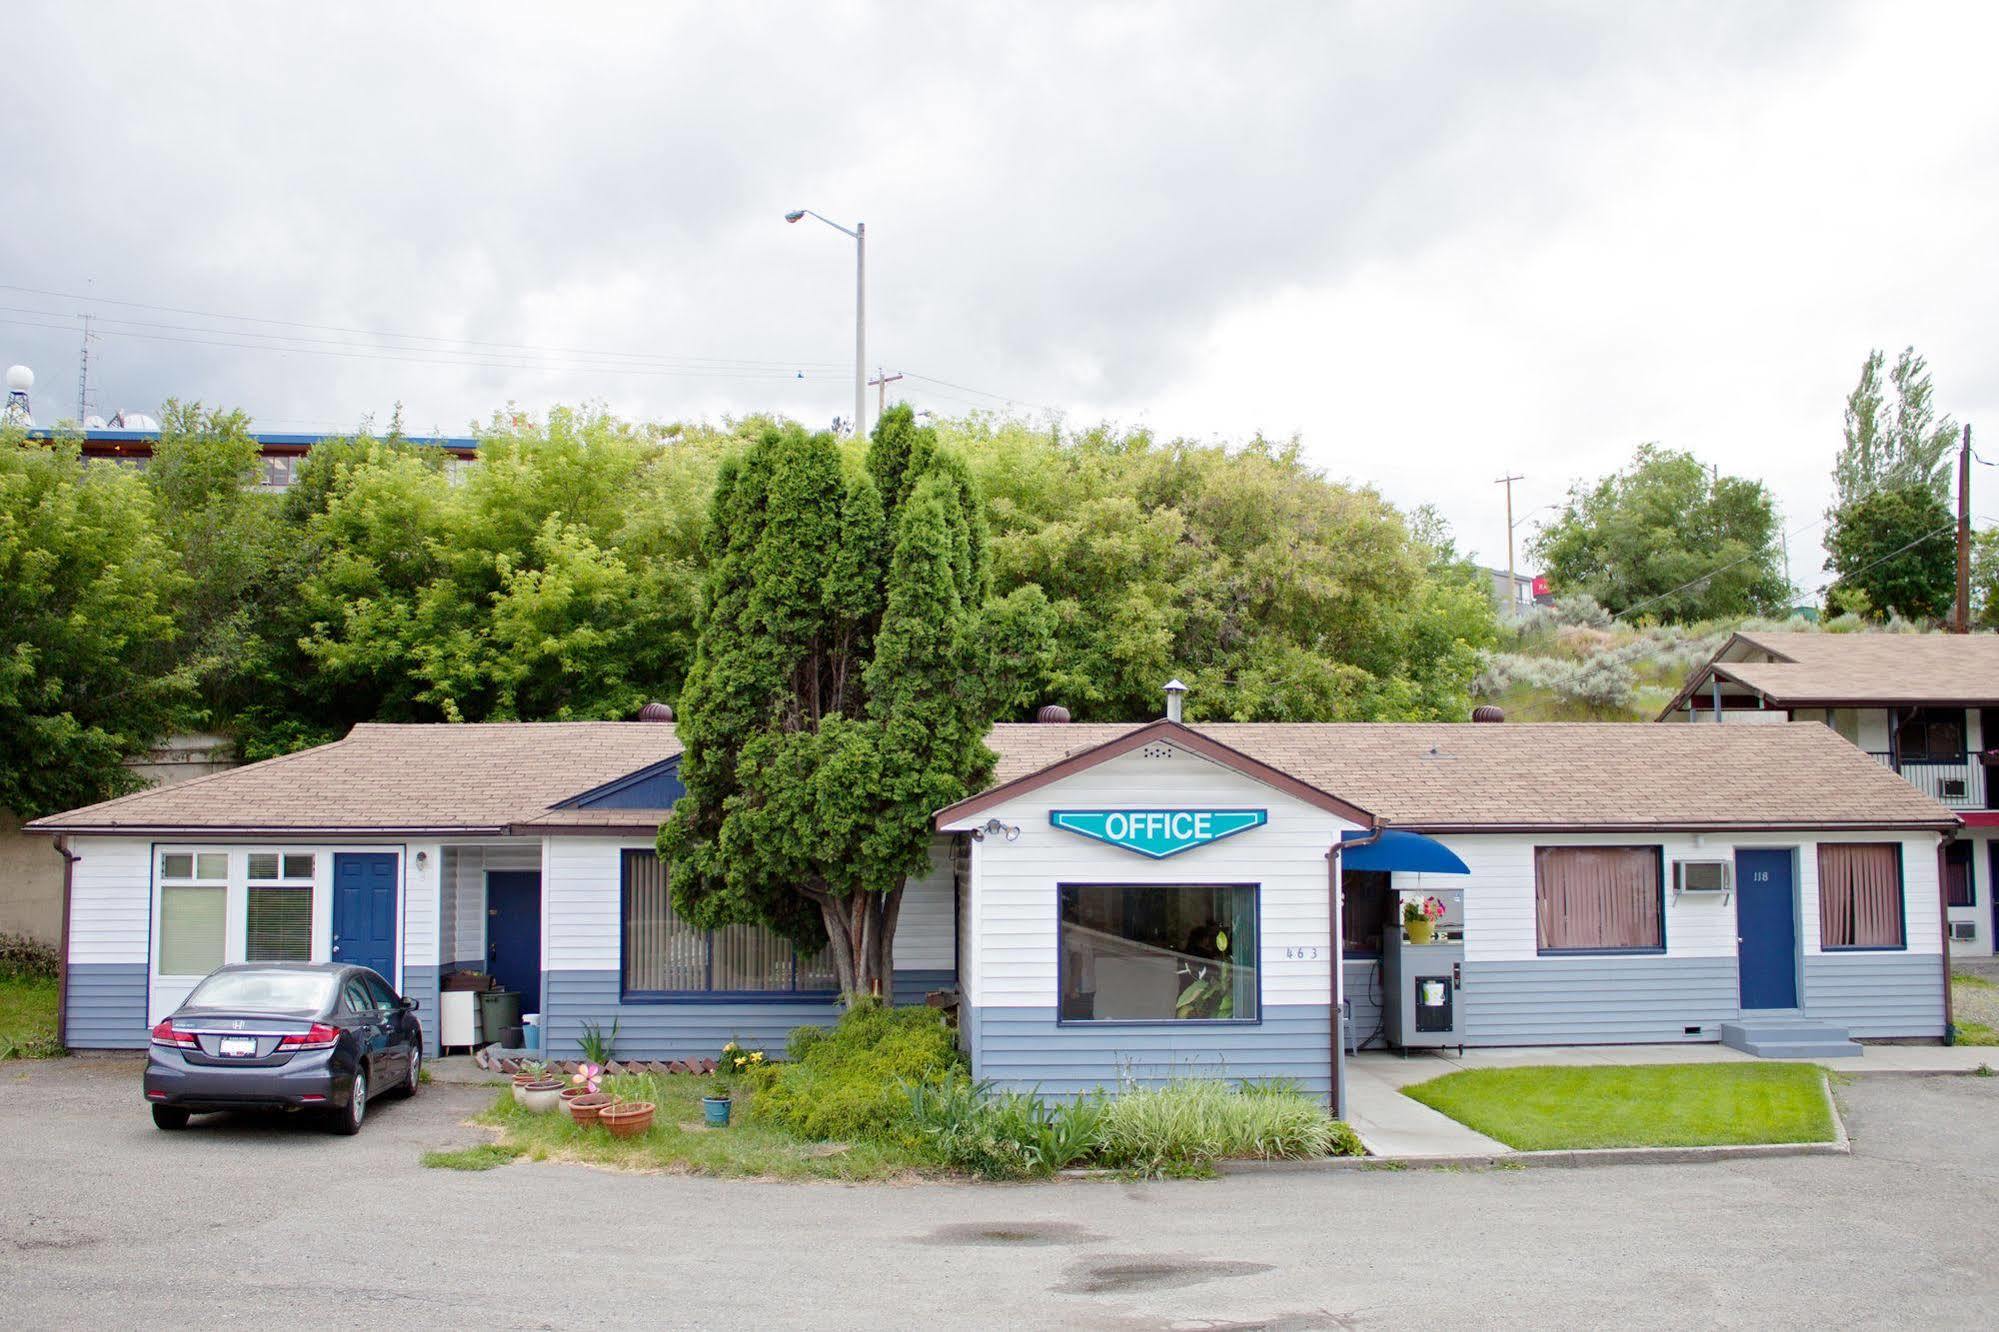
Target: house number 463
point(1302, 954)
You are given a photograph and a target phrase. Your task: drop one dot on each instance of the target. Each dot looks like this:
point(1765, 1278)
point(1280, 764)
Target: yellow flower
point(756, 1056)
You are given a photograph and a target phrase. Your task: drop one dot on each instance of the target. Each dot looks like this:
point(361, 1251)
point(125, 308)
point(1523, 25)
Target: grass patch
point(1971, 1032)
point(1656, 1105)
point(678, 1143)
point(28, 1018)
point(1971, 982)
point(483, 1157)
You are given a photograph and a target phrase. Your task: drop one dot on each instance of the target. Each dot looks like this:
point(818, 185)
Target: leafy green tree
point(1893, 436)
point(1670, 539)
point(89, 673)
point(841, 689)
point(1985, 578)
point(1894, 553)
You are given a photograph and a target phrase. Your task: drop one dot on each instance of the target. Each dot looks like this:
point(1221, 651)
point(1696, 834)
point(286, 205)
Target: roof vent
point(1176, 694)
point(1485, 712)
point(655, 712)
point(1052, 714)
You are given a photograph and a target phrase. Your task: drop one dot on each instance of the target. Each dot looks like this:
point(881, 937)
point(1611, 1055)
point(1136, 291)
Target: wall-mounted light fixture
point(422, 859)
point(995, 828)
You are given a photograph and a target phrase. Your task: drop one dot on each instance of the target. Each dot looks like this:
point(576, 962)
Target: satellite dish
point(20, 378)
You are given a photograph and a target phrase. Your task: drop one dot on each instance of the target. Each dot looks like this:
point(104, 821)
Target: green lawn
point(27, 1018)
point(1975, 1006)
point(1656, 1105)
point(679, 1143)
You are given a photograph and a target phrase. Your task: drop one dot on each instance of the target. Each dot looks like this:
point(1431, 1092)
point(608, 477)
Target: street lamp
point(859, 231)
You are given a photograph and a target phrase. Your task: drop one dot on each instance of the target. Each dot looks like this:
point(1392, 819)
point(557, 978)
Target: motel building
point(1124, 902)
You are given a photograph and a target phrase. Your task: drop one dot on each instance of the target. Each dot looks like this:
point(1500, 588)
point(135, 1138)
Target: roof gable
point(654, 787)
point(1791, 669)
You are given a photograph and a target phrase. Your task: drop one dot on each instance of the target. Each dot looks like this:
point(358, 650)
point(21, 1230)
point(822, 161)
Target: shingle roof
point(404, 778)
point(1550, 774)
point(1870, 668)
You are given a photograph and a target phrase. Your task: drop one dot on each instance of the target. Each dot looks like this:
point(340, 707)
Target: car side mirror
point(408, 1005)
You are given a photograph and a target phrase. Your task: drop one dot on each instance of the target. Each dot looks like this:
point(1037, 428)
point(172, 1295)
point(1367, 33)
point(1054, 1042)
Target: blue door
point(513, 933)
point(364, 910)
point(1766, 925)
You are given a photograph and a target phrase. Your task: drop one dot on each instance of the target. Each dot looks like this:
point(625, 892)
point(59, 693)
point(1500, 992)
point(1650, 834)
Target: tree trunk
point(861, 932)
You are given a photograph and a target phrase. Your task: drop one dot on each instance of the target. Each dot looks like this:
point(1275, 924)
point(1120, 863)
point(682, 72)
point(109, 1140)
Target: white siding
point(110, 900)
point(422, 884)
point(1922, 892)
point(1013, 897)
point(924, 930)
point(581, 886)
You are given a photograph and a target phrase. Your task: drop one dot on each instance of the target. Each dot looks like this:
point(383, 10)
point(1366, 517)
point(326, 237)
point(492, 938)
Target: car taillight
point(164, 1034)
point(321, 1037)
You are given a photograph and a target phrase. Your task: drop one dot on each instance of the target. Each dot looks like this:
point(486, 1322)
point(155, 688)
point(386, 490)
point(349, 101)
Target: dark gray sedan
point(284, 1036)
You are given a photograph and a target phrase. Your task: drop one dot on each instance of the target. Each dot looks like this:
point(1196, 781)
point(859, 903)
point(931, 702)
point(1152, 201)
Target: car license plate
point(239, 1045)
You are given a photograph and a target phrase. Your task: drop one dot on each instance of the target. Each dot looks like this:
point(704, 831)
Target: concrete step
point(1789, 1038)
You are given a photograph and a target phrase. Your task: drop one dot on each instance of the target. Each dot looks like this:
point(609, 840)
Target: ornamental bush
point(848, 1080)
point(1195, 1122)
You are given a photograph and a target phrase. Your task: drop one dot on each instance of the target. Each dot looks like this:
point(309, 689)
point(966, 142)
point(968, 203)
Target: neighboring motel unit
point(280, 453)
point(1123, 902)
point(1923, 705)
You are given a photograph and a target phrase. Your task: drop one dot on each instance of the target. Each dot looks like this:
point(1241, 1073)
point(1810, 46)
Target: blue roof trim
point(655, 786)
point(1409, 852)
point(292, 440)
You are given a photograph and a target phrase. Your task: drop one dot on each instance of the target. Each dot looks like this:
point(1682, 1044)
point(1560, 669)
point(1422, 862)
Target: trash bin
point(498, 1010)
point(531, 1030)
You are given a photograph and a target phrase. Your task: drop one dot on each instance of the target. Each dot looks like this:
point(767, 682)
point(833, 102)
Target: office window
point(193, 905)
point(1364, 906)
point(663, 954)
point(1860, 895)
point(1599, 899)
point(1158, 953)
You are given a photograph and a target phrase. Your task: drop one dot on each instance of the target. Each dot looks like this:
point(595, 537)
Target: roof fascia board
point(1181, 735)
point(1903, 825)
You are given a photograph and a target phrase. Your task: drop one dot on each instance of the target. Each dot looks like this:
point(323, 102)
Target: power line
point(967, 388)
point(1899, 550)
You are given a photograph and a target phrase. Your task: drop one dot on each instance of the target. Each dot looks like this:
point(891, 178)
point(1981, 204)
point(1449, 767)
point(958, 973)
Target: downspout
point(1943, 923)
point(1338, 1062)
point(69, 859)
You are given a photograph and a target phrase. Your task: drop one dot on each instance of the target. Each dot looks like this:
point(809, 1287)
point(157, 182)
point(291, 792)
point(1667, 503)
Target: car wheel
point(169, 1117)
point(416, 1071)
point(347, 1122)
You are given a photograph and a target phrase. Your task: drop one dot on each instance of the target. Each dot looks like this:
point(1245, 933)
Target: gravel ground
point(105, 1221)
point(1976, 1003)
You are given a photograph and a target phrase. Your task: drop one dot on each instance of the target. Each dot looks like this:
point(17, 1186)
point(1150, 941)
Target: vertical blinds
point(666, 954)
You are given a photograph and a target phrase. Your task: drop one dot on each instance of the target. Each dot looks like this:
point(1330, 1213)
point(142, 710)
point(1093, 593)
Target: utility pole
point(881, 381)
point(1512, 583)
point(1961, 619)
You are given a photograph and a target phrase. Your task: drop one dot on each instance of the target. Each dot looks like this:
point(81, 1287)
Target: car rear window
point(304, 992)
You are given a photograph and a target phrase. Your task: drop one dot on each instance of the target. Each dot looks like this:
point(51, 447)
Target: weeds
point(486, 1156)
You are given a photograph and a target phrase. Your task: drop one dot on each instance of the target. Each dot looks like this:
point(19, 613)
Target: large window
point(1364, 899)
point(1599, 899)
point(1158, 953)
point(194, 900)
point(665, 955)
point(1957, 883)
point(1934, 735)
point(278, 924)
point(1860, 895)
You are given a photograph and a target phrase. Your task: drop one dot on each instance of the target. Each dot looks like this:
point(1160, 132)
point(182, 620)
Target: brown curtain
point(1597, 897)
point(1860, 895)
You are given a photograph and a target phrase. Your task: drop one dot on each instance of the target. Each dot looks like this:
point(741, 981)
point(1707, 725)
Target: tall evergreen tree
point(841, 688)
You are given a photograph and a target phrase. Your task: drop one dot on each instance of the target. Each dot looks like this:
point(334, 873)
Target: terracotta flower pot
point(584, 1107)
point(626, 1119)
point(539, 1097)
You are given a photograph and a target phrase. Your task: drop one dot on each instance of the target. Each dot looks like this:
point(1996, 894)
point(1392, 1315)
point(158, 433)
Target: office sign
point(1158, 833)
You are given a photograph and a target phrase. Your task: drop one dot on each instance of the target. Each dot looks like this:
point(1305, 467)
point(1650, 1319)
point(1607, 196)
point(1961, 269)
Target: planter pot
point(584, 1107)
point(521, 1082)
point(626, 1119)
point(539, 1097)
point(716, 1110)
point(1419, 931)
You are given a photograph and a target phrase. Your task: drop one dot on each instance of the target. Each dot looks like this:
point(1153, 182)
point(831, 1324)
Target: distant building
point(133, 447)
point(1515, 592)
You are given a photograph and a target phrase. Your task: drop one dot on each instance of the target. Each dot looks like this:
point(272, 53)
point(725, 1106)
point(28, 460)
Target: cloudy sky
point(1437, 242)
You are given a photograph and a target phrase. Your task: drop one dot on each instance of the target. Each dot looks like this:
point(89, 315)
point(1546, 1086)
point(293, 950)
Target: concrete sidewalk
point(1391, 1124)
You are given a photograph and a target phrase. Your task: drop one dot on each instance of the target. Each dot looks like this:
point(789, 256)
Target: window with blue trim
point(665, 955)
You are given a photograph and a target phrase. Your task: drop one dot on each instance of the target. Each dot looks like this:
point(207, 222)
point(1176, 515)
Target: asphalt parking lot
point(105, 1221)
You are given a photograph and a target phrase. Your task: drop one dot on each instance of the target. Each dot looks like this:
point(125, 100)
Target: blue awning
point(1405, 851)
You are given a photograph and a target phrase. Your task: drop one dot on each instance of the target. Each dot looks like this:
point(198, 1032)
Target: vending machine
point(1422, 970)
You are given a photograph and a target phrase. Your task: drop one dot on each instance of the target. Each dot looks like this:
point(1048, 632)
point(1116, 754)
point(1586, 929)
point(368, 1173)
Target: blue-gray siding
point(420, 984)
point(1598, 1000)
point(1026, 1049)
point(694, 1030)
point(107, 1006)
point(1877, 994)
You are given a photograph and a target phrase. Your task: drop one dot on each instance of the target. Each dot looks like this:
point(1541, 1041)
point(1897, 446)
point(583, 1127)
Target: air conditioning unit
point(1701, 876)
point(1964, 931)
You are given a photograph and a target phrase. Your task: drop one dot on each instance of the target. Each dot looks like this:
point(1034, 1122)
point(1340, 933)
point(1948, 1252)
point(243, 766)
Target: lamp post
point(859, 231)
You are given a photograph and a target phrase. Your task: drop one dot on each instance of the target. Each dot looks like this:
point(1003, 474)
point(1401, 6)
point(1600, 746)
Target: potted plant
point(527, 1073)
point(626, 1119)
point(716, 1102)
point(540, 1096)
point(1419, 919)
point(584, 1097)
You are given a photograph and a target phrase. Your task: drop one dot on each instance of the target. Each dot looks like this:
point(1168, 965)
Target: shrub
point(1195, 1122)
point(26, 959)
point(1007, 1135)
point(850, 1080)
